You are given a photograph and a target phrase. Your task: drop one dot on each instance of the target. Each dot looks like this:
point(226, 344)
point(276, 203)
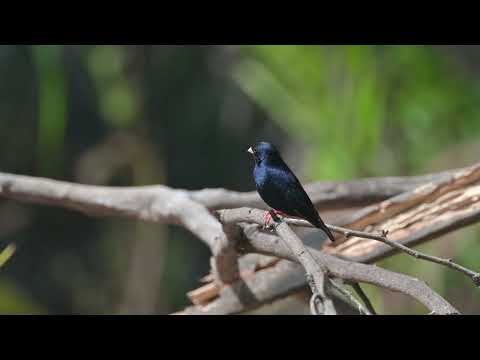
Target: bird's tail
point(321, 225)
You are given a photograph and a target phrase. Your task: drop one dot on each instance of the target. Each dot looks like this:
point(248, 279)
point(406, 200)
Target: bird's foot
point(269, 216)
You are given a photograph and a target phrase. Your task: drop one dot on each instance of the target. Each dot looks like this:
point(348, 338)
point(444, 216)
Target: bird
point(278, 186)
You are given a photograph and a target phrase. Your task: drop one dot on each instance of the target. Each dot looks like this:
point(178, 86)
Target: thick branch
point(326, 194)
point(420, 215)
point(158, 204)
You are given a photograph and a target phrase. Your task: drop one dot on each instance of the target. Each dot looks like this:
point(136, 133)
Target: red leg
point(266, 219)
point(281, 213)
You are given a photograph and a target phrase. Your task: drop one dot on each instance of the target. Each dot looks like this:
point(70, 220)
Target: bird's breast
point(260, 174)
point(269, 181)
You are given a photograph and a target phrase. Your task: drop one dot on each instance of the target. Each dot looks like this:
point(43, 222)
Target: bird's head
point(263, 151)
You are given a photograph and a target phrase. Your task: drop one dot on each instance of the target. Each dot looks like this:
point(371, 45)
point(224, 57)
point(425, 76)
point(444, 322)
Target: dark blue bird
point(278, 186)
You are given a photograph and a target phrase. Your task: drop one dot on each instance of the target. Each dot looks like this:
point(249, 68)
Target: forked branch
point(447, 201)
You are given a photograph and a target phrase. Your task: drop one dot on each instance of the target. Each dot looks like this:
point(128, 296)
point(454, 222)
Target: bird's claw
point(269, 228)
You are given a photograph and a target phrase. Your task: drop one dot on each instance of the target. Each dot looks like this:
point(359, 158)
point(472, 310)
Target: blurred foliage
point(52, 107)
point(183, 116)
point(15, 301)
point(363, 110)
point(118, 101)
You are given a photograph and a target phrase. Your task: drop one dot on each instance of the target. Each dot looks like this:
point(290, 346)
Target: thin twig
point(363, 296)
point(361, 309)
point(474, 276)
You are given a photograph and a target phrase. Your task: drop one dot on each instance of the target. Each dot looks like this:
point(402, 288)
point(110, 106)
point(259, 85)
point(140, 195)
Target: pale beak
point(250, 150)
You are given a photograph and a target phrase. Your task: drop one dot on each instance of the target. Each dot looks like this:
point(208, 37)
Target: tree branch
point(284, 278)
point(423, 214)
point(364, 298)
point(354, 302)
point(449, 201)
point(158, 204)
point(316, 272)
point(474, 276)
point(340, 268)
point(326, 194)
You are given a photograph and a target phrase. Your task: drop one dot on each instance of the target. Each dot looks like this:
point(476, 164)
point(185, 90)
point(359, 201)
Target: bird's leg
point(267, 218)
point(271, 215)
point(278, 212)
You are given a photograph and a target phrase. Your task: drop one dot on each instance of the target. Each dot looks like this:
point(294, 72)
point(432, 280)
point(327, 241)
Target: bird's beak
point(250, 150)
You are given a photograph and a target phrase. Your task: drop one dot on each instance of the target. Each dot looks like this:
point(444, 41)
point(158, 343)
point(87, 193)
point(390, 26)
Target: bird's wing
point(286, 193)
point(295, 196)
point(299, 201)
